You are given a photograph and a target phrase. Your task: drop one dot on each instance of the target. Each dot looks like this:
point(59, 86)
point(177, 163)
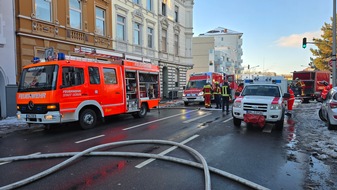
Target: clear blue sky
point(272, 29)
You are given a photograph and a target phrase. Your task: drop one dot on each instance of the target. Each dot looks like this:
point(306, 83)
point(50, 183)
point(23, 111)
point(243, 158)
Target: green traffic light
point(304, 43)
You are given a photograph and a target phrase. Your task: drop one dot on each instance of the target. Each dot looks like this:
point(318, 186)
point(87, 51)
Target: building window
point(43, 10)
point(75, 13)
point(100, 21)
point(163, 9)
point(136, 33)
point(121, 28)
point(109, 76)
point(176, 44)
point(150, 37)
point(176, 77)
point(149, 5)
point(164, 40)
point(136, 1)
point(176, 13)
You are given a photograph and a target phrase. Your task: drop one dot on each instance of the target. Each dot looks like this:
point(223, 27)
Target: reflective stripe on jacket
point(225, 91)
point(217, 90)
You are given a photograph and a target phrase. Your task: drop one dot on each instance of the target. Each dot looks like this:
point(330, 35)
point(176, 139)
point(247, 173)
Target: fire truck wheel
point(237, 122)
point(142, 112)
point(88, 119)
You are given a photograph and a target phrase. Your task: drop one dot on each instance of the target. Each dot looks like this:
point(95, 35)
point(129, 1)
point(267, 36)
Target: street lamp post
point(334, 45)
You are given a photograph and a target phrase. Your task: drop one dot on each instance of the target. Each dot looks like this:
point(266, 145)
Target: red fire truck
point(312, 82)
point(193, 90)
point(60, 91)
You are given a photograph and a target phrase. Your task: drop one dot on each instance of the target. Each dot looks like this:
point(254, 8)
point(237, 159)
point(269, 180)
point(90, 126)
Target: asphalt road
point(261, 156)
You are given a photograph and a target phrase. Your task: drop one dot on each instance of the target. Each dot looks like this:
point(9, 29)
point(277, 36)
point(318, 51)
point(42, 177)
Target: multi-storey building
point(146, 30)
point(175, 44)
point(218, 50)
point(8, 85)
point(160, 31)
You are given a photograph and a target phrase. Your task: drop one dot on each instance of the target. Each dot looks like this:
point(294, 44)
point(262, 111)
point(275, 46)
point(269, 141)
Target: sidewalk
point(170, 103)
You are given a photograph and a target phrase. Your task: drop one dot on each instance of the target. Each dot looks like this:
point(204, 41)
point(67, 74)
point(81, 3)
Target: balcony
point(73, 35)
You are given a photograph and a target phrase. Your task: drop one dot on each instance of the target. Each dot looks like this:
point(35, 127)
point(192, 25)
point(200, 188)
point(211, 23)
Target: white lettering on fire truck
point(32, 96)
point(69, 93)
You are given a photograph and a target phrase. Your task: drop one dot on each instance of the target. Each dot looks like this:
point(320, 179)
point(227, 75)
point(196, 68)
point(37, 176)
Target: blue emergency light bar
point(276, 81)
point(248, 81)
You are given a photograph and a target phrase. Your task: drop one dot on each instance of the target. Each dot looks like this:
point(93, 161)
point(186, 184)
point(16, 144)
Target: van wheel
point(88, 119)
point(142, 112)
point(237, 122)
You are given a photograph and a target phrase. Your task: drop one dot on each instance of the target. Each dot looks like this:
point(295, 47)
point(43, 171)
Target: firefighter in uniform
point(325, 90)
point(290, 101)
point(207, 95)
point(217, 95)
point(225, 93)
point(301, 84)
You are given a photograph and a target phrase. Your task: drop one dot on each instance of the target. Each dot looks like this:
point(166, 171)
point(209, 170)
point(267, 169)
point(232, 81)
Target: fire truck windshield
point(39, 78)
point(195, 84)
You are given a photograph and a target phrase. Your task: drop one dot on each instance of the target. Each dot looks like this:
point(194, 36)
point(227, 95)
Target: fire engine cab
point(68, 89)
point(261, 101)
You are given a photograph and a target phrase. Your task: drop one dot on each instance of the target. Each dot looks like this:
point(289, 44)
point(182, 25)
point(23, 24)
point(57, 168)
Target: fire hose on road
point(90, 152)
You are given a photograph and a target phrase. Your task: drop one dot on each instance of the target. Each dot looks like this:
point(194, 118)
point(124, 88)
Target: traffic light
point(304, 43)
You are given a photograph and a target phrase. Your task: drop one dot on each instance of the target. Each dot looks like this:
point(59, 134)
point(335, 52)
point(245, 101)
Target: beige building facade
point(175, 44)
point(160, 31)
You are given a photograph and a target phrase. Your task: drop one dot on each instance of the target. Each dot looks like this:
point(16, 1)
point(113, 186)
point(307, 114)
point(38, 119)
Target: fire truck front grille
point(35, 109)
point(255, 107)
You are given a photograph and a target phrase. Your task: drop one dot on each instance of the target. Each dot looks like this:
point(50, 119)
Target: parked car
point(328, 110)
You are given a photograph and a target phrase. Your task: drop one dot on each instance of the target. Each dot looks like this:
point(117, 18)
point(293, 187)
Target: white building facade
point(8, 87)
point(160, 31)
point(222, 52)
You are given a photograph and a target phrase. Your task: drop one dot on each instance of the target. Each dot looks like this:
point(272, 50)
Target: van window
point(109, 76)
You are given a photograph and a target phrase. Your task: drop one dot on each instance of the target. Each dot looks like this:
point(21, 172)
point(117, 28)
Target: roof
point(220, 31)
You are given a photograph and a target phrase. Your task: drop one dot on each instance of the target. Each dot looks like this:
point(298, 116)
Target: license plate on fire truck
point(31, 116)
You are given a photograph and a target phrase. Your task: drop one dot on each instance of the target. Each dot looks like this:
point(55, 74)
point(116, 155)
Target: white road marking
point(3, 163)
point(88, 139)
point(165, 152)
point(227, 120)
point(190, 120)
point(157, 120)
